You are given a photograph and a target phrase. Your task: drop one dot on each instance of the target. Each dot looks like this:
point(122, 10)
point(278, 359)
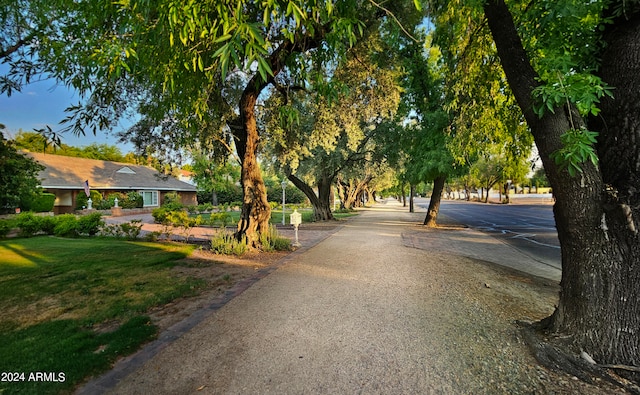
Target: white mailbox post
point(296, 220)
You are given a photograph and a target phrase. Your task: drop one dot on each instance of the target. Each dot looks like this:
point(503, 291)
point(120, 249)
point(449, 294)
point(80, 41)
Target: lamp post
point(284, 187)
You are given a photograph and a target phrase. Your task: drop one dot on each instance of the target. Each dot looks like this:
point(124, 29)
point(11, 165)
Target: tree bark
point(412, 193)
point(434, 202)
point(599, 305)
point(619, 152)
point(321, 203)
point(256, 211)
point(352, 191)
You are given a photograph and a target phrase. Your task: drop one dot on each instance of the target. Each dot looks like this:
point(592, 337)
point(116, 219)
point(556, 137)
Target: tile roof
point(65, 172)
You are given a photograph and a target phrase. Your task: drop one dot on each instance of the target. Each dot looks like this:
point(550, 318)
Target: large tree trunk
point(619, 153)
point(353, 191)
point(599, 306)
point(256, 211)
point(412, 194)
point(321, 203)
point(434, 202)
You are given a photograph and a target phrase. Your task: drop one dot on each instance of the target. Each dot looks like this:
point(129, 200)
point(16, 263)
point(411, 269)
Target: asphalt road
point(528, 227)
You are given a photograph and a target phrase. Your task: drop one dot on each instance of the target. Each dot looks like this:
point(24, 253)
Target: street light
point(284, 187)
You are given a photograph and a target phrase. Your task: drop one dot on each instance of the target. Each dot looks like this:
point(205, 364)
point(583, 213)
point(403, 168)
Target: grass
point(55, 293)
point(276, 216)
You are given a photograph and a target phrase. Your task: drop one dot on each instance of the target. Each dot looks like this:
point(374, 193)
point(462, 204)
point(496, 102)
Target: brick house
point(65, 177)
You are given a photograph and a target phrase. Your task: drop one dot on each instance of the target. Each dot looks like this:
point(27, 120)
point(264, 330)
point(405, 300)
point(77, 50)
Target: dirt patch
point(220, 273)
point(223, 273)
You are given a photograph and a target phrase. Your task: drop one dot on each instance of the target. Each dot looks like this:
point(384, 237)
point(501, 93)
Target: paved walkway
point(352, 314)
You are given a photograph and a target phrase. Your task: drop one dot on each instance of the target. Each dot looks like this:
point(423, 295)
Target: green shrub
point(133, 200)
point(132, 229)
point(28, 224)
point(5, 228)
point(172, 201)
point(42, 203)
point(292, 194)
point(183, 221)
point(110, 200)
point(225, 243)
point(104, 204)
point(160, 215)
point(272, 241)
point(223, 218)
point(152, 236)
point(66, 226)
point(90, 224)
point(206, 207)
point(230, 194)
point(47, 224)
point(82, 200)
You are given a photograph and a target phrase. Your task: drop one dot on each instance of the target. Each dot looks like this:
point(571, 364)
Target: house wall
point(65, 202)
point(189, 198)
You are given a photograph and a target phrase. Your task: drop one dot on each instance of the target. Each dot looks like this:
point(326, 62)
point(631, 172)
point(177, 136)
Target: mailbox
point(295, 218)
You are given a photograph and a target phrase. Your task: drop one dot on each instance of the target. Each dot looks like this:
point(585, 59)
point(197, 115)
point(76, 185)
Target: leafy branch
point(566, 87)
point(577, 148)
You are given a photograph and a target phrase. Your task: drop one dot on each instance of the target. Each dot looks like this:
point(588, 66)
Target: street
point(528, 227)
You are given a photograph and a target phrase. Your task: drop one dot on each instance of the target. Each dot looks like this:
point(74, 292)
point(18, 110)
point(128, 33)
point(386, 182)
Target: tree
point(213, 175)
point(596, 195)
point(35, 142)
point(424, 129)
point(314, 138)
point(18, 177)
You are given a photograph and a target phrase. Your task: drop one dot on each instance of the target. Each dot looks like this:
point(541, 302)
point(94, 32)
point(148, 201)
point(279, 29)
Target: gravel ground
point(363, 313)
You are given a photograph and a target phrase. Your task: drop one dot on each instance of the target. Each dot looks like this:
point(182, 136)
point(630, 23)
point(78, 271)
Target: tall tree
point(19, 181)
point(426, 123)
point(597, 204)
point(315, 138)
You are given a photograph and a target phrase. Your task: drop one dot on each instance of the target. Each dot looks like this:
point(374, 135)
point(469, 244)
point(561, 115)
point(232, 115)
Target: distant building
point(65, 177)
point(186, 176)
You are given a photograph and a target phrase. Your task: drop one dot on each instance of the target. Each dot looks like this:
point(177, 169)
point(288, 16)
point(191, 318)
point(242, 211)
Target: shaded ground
point(225, 275)
point(365, 311)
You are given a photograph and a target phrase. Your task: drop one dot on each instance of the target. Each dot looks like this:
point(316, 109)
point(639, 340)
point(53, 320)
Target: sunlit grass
point(54, 292)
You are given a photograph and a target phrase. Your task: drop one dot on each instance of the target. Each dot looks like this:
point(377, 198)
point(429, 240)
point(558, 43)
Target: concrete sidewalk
point(357, 313)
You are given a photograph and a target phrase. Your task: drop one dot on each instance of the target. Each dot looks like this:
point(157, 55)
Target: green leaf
point(222, 38)
point(263, 68)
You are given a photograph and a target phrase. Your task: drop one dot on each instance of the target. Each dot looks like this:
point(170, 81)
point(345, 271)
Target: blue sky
point(42, 103)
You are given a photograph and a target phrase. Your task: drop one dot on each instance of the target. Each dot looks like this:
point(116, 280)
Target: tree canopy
point(19, 182)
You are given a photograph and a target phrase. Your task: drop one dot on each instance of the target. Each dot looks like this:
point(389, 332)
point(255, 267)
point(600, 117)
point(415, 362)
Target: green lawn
point(54, 292)
point(276, 216)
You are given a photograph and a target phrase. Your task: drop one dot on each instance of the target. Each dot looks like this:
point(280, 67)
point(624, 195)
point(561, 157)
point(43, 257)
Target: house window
point(150, 198)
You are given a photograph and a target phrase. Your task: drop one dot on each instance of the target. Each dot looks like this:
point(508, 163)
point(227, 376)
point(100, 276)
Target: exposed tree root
point(554, 357)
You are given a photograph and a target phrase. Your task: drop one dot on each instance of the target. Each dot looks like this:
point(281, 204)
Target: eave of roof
point(64, 172)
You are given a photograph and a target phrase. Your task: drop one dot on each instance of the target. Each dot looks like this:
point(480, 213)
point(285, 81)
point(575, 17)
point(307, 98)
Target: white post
point(296, 220)
point(115, 202)
point(89, 203)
